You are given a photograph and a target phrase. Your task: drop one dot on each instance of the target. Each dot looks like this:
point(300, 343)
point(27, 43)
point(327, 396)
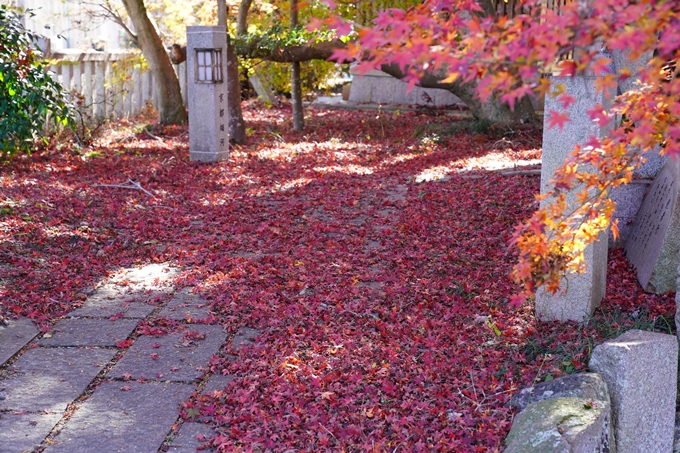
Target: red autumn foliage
point(383, 302)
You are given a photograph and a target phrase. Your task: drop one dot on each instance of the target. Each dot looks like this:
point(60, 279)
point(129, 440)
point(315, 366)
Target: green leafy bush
point(27, 92)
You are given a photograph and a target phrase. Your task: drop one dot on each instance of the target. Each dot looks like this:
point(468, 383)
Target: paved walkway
point(100, 381)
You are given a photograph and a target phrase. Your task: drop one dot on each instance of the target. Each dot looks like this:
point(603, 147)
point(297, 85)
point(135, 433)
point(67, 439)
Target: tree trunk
point(170, 106)
point(295, 88)
point(242, 21)
point(237, 127)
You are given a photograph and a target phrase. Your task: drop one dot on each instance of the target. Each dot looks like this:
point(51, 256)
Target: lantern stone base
point(208, 156)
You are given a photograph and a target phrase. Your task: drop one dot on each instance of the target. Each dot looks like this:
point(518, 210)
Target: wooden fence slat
point(87, 87)
point(66, 76)
point(91, 74)
point(77, 73)
point(99, 91)
point(137, 102)
point(109, 98)
point(183, 82)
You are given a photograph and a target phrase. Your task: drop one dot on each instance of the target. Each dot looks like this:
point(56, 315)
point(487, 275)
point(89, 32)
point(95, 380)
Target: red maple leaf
point(558, 119)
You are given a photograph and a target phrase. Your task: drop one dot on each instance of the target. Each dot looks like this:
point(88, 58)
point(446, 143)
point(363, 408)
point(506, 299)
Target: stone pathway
point(101, 381)
point(95, 383)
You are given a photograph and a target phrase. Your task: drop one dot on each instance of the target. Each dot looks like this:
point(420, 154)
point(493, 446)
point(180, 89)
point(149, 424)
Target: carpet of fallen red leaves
point(382, 301)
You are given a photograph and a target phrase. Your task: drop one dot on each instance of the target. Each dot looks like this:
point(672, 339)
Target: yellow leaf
point(450, 78)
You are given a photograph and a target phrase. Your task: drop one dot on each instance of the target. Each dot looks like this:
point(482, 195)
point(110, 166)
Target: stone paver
point(186, 306)
point(245, 337)
point(174, 357)
point(25, 432)
point(190, 437)
point(48, 379)
point(110, 301)
point(152, 277)
point(112, 420)
point(15, 336)
point(89, 332)
point(217, 383)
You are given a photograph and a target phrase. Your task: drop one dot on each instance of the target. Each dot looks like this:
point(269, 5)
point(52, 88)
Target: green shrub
point(28, 95)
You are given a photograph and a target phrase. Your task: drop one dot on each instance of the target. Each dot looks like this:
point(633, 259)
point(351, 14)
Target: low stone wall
point(377, 87)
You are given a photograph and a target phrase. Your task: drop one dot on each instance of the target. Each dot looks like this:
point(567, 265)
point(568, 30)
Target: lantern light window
point(209, 65)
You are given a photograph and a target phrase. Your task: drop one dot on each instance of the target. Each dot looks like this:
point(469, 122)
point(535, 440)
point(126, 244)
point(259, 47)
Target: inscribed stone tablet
point(655, 238)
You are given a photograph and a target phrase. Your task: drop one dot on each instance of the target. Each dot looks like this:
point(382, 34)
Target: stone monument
point(629, 197)
point(578, 297)
point(654, 242)
point(207, 93)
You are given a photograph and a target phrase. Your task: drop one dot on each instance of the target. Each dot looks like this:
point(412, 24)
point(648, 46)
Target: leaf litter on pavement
point(370, 251)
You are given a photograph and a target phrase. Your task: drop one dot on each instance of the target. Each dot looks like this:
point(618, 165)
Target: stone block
point(48, 379)
point(178, 357)
point(208, 112)
point(378, 87)
point(578, 298)
point(89, 332)
point(14, 336)
point(361, 90)
point(122, 417)
point(628, 200)
point(654, 242)
point(25, 432)
point(652, 164)
point(582, 293)
point(622, 60)
point(562, 425)
point(262, 89)
point(641, 371)
point(589, 386)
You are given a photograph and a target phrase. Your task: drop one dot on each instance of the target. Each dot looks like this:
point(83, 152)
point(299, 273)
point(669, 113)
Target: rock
point(641, 370)
point(562, 425)
point(589, 386)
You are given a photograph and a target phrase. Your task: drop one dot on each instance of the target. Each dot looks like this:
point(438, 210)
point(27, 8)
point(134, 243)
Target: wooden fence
point(111, 85)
